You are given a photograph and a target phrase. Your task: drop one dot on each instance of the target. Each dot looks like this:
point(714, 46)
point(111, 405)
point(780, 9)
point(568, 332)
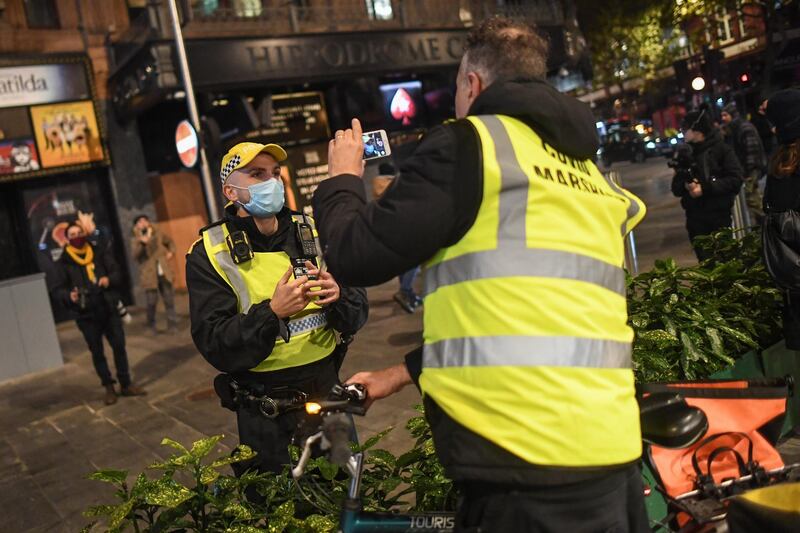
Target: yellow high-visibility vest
point(253, 282)
point(525, 324)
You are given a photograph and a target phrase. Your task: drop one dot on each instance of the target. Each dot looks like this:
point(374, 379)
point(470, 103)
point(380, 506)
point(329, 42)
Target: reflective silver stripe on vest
point(529, 262)
point(308, 323)
point(527, 351)
point(217, 237)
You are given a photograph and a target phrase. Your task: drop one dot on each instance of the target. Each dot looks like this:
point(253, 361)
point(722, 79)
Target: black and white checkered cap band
point(229, 167)
point(308, 323)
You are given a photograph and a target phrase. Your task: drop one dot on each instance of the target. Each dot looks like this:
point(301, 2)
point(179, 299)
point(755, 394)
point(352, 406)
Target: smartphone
point(376, 144)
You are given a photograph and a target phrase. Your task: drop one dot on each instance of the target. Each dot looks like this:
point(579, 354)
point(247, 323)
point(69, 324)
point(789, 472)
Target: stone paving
point(56, 430)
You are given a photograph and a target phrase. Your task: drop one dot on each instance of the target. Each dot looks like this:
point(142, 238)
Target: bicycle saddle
point(668, 421)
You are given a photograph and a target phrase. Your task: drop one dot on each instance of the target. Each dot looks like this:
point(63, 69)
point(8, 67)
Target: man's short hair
point(501, 48)
point(140, 217)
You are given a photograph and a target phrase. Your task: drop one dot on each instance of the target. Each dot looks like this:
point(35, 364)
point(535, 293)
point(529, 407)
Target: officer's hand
point(382, 383)
point(329, 290)
point(346, 151)
point(289, 296)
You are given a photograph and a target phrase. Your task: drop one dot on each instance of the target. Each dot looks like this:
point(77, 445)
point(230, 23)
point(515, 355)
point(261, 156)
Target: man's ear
point(476, 85)
point(230, 193)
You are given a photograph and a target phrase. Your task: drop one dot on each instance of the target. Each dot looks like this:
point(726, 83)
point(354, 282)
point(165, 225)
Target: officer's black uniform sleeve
point(350, 313)
point(431, 204)
point(231, 341)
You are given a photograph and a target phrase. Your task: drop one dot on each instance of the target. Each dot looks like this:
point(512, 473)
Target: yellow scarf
point(85, 258)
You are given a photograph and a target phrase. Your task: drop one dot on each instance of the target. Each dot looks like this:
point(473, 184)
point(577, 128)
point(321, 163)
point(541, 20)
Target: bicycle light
point(313, 408)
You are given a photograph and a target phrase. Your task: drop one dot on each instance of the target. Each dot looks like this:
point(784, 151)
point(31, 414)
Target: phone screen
point(374, 145)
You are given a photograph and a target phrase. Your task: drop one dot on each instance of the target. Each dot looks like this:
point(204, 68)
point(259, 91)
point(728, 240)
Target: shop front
point(53, 167)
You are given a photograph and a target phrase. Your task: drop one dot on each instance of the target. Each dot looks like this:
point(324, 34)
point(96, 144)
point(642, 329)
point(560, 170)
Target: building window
point(723, 20)
point(380, 9)
point(41, 14)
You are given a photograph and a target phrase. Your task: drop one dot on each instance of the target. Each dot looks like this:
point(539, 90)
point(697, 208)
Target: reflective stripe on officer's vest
point(223, 256)
point(307, 323)
point(507, 350)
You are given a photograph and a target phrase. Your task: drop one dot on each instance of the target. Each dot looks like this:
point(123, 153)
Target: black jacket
point(747, 145)
point(431, 205)
point(782, 193)
point(100, 302)
point(720, 174)
point(234, 342)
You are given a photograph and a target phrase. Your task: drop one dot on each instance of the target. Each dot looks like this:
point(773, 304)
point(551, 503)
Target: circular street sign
point(187, 143)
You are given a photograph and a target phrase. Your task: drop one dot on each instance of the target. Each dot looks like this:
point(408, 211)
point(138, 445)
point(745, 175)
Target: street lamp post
point(194, 116)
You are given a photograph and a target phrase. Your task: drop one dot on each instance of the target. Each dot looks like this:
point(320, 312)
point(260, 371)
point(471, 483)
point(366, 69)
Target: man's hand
point(73, 295)
point(346, 151)
point(86, 220)
point(289, 296)
point(104, 282)
point(329, 290)
point(382, 383)
point(695, 189)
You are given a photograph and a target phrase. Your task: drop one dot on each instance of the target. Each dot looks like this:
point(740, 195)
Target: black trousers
point(110, 326)
point(706, 225)
point(167, 293)
point(610, 504)
point(270, 438)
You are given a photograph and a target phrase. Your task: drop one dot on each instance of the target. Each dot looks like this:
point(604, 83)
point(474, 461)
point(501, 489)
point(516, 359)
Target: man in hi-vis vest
point(264, 311)
point(526, 364)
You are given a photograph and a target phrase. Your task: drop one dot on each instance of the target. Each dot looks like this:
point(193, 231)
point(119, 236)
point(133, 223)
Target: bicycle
point(666, 420)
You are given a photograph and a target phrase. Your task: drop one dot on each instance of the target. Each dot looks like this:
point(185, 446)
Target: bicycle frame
point(354, 520)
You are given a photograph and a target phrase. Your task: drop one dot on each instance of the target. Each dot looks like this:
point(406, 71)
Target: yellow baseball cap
point(240, 156)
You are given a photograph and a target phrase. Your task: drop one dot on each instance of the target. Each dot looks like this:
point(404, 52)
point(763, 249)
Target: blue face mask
point(266, 198)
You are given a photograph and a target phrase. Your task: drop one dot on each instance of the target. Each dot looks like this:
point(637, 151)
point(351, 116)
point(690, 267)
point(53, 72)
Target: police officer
point(263, 309)
point(526, 362)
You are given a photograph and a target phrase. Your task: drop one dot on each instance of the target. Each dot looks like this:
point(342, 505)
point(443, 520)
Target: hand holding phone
point(376, 144)
point(345, 152)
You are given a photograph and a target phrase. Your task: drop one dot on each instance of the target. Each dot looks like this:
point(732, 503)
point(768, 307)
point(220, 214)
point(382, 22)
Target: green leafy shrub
point(193, 494)
point(692, 322)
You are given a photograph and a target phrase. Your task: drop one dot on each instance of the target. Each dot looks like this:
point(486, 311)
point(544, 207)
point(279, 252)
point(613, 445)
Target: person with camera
point(89, 279)
point(525, 367)
point(153, 251)
point(707, 177)
point(263, 309)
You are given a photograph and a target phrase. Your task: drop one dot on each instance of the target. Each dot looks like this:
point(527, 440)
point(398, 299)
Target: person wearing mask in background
point(526, 364)
point(781, 196)
point(273, 331)
point(153, 251)
point(88, 285)
point(746, 143)
point(406, 297)
point(708, 189)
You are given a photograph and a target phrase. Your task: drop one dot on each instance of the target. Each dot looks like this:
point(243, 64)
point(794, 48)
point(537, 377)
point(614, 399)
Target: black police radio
point(308, 249)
